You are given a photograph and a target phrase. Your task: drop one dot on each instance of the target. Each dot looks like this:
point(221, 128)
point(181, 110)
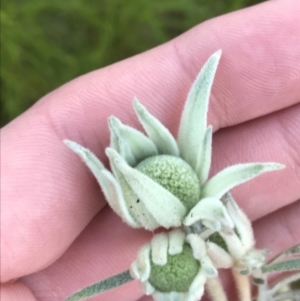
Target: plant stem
point(286, 281)
point(243, 285)
point(263, 293)
point(291, 295)
point(262, 286)
point(215, 289)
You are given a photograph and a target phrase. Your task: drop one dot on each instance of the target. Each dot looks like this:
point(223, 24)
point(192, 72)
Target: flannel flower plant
point(157, 181)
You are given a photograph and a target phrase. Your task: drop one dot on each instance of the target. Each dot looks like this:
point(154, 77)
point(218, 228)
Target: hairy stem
point(243, 285)
point(291, 295)
point(215, 289)
point(263, 293)
point(286, 281)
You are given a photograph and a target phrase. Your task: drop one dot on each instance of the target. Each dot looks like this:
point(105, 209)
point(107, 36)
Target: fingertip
point(16, 292)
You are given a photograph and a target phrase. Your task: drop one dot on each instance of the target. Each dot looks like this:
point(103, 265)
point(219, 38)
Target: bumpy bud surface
point(175, 175)
point(178, 274)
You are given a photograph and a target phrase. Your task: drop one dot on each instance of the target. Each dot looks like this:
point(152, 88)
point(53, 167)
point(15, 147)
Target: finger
point(98, 254)
point(16, 292)
point(285, 223)
point(60, 193)
point(146, 298)
point(106, 247)
point(275, 138)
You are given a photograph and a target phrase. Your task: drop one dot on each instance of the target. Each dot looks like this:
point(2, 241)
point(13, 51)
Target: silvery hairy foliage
point(158, 181)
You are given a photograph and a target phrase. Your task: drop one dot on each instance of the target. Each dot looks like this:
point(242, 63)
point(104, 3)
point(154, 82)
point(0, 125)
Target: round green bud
point(175, 175)
point(178, 274)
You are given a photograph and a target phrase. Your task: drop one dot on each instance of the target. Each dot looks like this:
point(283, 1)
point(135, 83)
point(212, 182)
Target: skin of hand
point(57, 233)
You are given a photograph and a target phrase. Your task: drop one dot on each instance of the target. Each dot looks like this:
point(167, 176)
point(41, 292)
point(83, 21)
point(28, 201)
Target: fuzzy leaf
point(101, 286)
point(254, 259)
point(241, 221)
point(282, 266)
point(291, 253)
point(156, 199)
point(93, 163)
point(137, 209)
point(157, 132)
point(109, 185)
point(234, 175)
point(194, 117)
point(119, 144)
point(203, 163)
point(209, 209)
point(114, 197)
point(132, 143)
point(295, 277)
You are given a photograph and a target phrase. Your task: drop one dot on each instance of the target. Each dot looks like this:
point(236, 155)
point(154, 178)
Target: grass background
point(47, 43)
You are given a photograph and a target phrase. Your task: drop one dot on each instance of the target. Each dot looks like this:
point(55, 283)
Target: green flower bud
point(178, 274)
point(175, 175)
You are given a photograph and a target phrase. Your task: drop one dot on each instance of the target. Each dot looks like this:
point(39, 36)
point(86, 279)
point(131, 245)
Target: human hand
point(49, 198)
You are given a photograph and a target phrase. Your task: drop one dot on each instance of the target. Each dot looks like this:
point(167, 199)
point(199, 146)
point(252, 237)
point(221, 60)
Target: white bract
point(234, 248)
point(157, 181)
point(173, 267)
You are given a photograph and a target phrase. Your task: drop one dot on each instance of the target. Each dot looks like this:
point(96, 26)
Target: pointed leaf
point(254, 259)
point(291, 253)
point(114, 197)
point(94, 164)
point(109, 185)
point(119, 144)
point(137, 209)
point(114, 134)
point(156, 199)
point(140, 146)
point(210, 209)
point(157, 132)
point(203, 163)
point(194, 118)
point(241, 221)
point(284, 282)
point(282, 266)
point(101, 286)
point(234, 175)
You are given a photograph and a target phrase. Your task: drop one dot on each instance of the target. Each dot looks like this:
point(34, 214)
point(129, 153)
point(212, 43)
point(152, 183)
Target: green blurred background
point(47, 43)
